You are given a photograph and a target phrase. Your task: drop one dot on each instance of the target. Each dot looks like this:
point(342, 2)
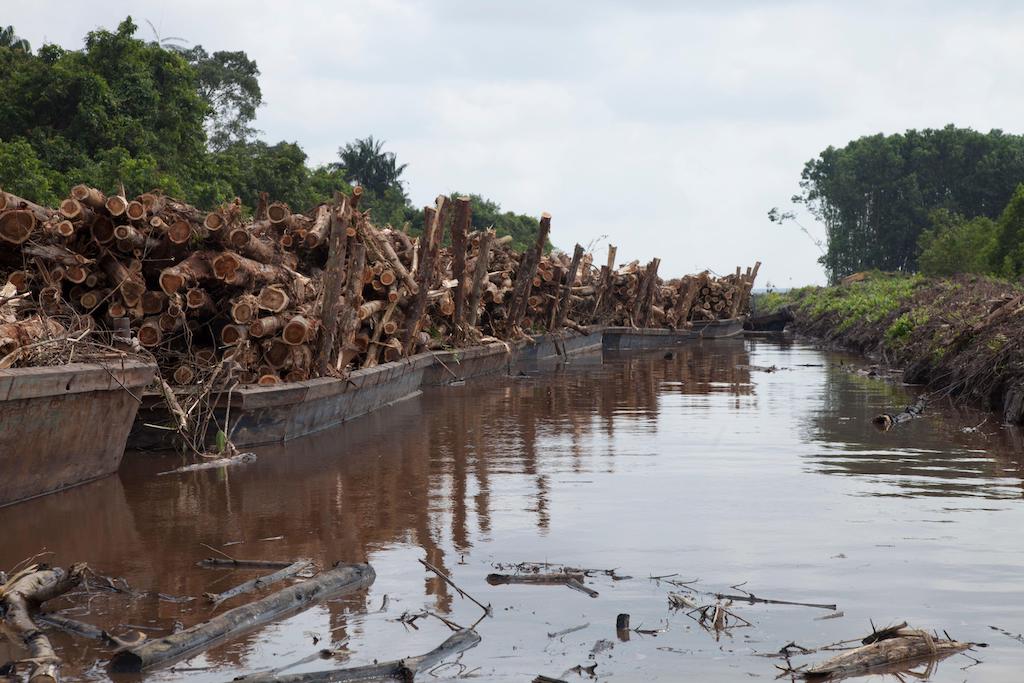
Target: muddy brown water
point(697, 466)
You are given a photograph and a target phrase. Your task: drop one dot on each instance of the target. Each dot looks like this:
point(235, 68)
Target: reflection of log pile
point(283, 296)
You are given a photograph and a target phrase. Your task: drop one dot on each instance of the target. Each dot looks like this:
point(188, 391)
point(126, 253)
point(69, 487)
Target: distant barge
point(263, 415)
point(65, 425)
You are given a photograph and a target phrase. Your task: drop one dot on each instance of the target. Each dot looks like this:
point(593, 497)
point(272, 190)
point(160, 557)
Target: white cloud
point(670, 127)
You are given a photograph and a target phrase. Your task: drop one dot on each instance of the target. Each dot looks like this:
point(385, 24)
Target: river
point(704, 466)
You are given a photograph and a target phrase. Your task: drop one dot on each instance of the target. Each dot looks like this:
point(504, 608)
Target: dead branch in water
point(258, 583)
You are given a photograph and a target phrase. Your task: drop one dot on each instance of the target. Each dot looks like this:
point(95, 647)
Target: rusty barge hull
point(280, 413)
point(65, 425)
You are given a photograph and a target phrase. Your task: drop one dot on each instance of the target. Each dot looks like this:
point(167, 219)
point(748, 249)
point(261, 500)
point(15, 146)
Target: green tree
point(954, 244)
point(9, 39)
point(1008, 252)
point(366, 162)
point(117, 93)
point(24, 174)
point(874, 195)
point(229, 83)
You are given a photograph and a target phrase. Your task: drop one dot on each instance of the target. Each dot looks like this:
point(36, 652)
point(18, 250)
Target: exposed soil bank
point(958, 336)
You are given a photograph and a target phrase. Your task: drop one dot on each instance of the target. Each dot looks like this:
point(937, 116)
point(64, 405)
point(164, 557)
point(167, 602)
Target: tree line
point(151, 114)
point(939, 201)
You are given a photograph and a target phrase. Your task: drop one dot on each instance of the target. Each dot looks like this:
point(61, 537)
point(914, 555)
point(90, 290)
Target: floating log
point(234, 622)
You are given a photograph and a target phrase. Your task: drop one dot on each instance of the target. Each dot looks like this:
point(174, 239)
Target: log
point(424, 277)
point(459, 229)
point(189, 273)
point(524, 276)
point(244, 309)
point(21, 597)
point(483, 259)
point(260, 582)
point(563, 307)
point(89, 196)
point(349, 320)
point(320, 229)
point(116, 204)
point(267, 326)
point(298, 330)
point(337, 248)
point(11, 202)
point(887, 421)
point(234, 622)
point(404, 669)
point(244, 272)
point(17, 225)
point(239, 459)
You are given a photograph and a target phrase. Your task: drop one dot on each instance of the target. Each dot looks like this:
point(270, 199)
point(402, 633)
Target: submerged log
point(234, 622)
point(400, 669)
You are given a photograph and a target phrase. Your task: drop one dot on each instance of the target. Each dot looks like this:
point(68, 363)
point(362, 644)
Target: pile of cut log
point(281, 296)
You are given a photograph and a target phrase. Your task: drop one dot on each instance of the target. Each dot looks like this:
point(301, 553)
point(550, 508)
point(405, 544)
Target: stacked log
point(283, 296)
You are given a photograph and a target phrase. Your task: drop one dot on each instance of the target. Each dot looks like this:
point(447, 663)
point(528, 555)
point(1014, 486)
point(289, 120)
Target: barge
point(262, 415)
point(61, 426)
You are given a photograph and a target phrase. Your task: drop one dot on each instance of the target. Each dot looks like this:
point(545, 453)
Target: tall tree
point(9, 39)
point(366, 162)
point(229, 83)
point(875, 195)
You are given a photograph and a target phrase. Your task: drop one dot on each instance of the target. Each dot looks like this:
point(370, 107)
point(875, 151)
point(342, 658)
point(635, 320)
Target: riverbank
point(957, 336)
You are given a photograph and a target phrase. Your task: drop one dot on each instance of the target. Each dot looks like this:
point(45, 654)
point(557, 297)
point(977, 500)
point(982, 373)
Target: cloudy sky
point(666, 128)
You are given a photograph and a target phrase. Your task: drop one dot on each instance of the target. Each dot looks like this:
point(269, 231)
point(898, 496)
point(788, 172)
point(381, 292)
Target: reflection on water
point(701, 463)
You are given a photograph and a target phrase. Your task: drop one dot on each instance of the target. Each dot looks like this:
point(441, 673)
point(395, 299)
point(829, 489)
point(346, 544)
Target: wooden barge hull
point(280, 413)
point(65, 425)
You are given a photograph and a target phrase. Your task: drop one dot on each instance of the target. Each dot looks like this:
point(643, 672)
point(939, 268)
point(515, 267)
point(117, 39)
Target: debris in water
point(240, 459)
point(895, 649)
point(887, 421)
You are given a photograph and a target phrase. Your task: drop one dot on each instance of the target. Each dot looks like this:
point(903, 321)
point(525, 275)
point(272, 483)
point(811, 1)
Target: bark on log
point(459, 230)
point(424, 277)
point(189, 273)
point(333, 284)
point(89, 196)
point(349, 321)
point(563, 307)
point(483, 260)
point(293, 599)
point(525, 274)
point(17, 225)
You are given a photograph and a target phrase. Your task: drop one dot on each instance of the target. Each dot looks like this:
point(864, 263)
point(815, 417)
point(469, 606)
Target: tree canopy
point(155, 114)
point(875, 195)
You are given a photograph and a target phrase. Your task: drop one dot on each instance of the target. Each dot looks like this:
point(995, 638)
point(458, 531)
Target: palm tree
point(8, 38)
point(366, 161)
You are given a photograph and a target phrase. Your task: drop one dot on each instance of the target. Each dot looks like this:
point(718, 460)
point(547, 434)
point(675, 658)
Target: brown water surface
point(699, 466)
